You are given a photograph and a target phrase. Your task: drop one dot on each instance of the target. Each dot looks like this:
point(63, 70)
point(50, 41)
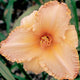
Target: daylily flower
point(45, 41)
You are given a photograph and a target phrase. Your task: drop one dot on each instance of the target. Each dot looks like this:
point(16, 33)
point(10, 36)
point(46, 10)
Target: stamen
point(45, 41)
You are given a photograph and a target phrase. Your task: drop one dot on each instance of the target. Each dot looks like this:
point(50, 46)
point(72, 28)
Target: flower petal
point(71, 36)
point(29, 20)
point(33, 66)
point(53, 17)
point(20, 45)
point(62, 62)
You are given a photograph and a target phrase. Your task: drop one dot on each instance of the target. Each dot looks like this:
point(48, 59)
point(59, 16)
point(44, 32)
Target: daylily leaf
point(45, 1)
point(19, 77)
point(44, 75)
point(38, 2)
point(5, 72)
point(2, 37)
point(27, 12)
point(78, 77)
point(72, 5)
point(78, 48)
point(8, 14)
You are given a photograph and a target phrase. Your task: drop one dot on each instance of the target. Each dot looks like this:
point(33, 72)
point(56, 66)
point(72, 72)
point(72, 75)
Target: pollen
point(45, 41)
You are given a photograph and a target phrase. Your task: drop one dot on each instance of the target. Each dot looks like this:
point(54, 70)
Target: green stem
point(44, 75)
point(21, 68)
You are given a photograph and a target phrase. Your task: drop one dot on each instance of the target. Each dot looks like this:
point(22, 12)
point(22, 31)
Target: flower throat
point(45, 41)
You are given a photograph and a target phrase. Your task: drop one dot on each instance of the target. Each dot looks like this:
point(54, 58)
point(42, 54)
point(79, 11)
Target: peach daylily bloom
point(45, 41)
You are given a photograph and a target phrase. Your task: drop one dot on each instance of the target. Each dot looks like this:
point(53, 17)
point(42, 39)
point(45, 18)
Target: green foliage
point(5, 72)
point(38, 2)
point(2, 1)
point(74, 20)
point(2, 37)
point(78, 48)
point(20, 67)
point(8, 14)
point(44, 75)
point(78, 77)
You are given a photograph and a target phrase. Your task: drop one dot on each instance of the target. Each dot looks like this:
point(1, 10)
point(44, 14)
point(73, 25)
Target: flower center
point(45, 41)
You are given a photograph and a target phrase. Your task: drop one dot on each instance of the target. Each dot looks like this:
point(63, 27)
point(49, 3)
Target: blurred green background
point(11, 12)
